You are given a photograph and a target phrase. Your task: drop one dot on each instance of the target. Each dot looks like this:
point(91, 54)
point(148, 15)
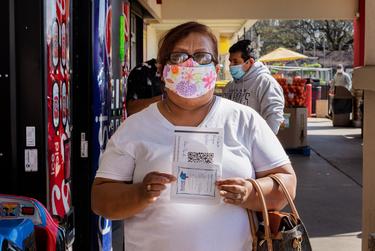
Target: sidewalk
point(329, 195)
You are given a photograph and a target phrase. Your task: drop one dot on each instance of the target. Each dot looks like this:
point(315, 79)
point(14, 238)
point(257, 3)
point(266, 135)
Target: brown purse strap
point(253, 229)
point(287, 195)
point(266, 221)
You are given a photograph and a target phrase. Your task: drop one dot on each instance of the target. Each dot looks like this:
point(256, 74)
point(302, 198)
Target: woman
point(133, 179)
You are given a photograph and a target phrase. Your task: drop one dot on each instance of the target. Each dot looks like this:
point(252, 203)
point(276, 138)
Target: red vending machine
point(58, 69)
point(38, 160)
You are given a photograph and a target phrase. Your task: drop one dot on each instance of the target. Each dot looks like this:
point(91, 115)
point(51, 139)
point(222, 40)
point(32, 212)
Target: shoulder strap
point(253, 229)
point(267, 230)
point(287, 195)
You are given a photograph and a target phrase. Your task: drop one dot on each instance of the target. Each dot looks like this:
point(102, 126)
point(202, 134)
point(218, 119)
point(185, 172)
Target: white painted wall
point(152, 43)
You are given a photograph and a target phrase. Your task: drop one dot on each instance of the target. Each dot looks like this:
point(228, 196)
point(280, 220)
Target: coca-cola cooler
point(35, 157)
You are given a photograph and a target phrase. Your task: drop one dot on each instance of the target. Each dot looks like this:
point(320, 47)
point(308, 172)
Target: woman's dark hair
point(243, 46)
point(173, 36)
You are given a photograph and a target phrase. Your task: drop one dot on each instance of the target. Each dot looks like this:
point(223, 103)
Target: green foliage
point(313, 65)
point(330, 34)
point(274, 71)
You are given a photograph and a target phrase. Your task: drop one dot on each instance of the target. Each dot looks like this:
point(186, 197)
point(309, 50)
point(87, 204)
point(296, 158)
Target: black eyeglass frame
point(193, 56)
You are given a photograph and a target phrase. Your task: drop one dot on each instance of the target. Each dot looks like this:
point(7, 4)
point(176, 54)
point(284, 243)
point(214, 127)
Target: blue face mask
point(237, 71)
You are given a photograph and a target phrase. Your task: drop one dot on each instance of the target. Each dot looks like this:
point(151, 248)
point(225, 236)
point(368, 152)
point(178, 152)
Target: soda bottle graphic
point(56, 105)
point(55, 44)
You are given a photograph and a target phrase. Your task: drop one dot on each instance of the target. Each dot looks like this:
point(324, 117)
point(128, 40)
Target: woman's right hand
point(154, 183)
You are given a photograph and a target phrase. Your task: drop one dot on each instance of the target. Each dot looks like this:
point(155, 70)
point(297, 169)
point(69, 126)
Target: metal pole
point(314, 48)
point(324, 51)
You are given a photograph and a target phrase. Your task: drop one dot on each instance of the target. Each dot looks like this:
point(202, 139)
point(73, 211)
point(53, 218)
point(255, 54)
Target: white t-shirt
point(144, 143)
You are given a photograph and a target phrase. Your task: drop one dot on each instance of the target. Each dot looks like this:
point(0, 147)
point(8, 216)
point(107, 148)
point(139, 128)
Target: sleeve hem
point(273, 165)
point(112, 176)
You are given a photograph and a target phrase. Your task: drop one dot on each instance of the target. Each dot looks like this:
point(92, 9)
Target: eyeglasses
point(199, 57)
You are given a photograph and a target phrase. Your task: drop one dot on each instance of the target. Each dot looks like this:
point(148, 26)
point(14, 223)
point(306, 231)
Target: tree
point(337, 35)
point(330, 35)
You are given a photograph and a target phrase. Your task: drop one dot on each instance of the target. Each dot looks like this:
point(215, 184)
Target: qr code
point(199, 157)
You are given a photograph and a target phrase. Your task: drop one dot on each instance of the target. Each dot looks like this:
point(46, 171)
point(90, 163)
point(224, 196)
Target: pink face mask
point(190, 79)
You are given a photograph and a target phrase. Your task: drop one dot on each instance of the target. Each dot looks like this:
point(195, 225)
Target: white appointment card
point(197, 164)
point(198, 145)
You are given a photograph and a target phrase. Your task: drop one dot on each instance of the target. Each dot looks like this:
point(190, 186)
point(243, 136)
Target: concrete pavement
point(329, 195)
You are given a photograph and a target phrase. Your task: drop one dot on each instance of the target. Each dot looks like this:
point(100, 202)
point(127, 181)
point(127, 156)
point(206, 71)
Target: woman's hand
point(235, 191)
point(154, 183)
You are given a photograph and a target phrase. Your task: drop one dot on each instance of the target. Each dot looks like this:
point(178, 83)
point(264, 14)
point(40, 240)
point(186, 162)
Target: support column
point(364, 78)
point(368, 204)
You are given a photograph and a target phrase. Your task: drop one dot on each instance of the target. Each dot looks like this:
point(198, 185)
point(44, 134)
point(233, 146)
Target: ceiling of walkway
point(221, 27)
point(228, 18)
point(254, 9)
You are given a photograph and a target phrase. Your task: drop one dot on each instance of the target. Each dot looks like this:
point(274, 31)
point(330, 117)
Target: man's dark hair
point(243, 46)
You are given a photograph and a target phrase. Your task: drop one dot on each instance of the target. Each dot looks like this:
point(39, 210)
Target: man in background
point(254, 86)
point(341, 78)
point(144, 87)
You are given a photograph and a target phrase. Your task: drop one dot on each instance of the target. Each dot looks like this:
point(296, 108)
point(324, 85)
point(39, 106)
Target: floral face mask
point(190, 79)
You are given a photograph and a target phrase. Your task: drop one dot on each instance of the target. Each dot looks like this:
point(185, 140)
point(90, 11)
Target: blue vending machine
point(101, 103)
point(110, 64)
point(100, 60)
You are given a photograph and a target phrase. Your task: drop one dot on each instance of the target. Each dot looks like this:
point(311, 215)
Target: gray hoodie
point(259, 90)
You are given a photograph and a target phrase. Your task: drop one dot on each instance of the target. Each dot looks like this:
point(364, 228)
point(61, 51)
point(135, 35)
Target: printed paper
point(197, 164)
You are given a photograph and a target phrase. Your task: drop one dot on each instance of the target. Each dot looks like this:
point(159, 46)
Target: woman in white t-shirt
point(133, 180)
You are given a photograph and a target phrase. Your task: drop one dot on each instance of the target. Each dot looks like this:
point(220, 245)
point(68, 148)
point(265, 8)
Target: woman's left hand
point(235, 191)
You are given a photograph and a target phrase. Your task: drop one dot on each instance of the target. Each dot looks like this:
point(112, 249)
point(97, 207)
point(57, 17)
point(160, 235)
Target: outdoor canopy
point(281, 54)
